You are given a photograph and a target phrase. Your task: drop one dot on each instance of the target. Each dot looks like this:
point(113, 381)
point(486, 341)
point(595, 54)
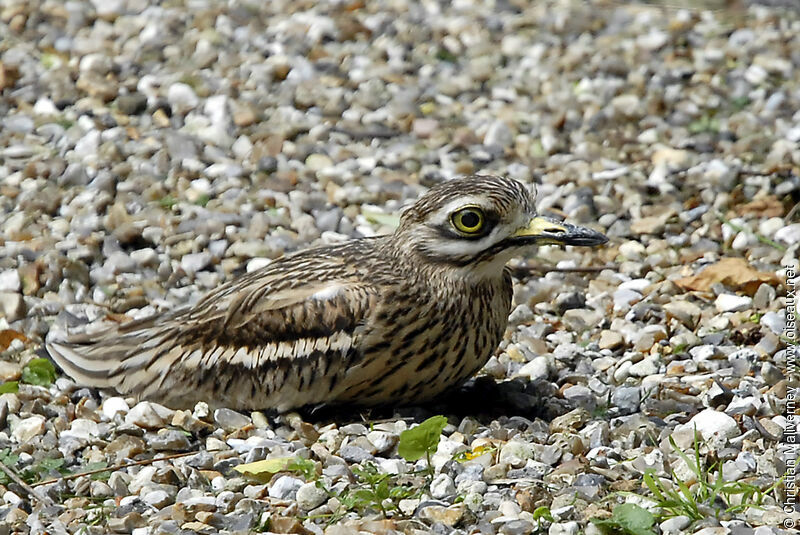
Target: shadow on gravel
point(481, 398)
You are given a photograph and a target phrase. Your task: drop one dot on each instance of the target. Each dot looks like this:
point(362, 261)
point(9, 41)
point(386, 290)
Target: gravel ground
point(148, 153)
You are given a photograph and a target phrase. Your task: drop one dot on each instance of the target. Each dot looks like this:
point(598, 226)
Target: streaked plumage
point(396, 319)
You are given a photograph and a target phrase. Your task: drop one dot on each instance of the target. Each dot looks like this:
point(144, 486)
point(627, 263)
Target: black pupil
point(470, 219)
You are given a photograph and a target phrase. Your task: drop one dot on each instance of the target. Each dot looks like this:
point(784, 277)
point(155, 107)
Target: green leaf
point(264, 470)
point(40, 372)
point(305, 467)
point(653, 484)
point(380, 218)
point(629, 519)
point(9, 387)
point(421, 440)
point(97, 465)
point(544, 513)
point(46, 465)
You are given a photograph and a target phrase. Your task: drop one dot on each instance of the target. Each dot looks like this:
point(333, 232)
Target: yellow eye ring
point(468, 220)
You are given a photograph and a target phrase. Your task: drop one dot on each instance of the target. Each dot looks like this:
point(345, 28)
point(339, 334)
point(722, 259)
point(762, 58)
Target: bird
point(396, 319)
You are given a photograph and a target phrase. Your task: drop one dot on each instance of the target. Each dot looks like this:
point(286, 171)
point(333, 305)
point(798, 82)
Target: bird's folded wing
point(259, 322)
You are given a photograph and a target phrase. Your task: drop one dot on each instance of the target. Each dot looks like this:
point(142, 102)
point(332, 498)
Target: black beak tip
point(584, 237)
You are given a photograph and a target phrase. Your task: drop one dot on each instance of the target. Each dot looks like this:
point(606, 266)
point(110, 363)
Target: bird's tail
point(120, 358)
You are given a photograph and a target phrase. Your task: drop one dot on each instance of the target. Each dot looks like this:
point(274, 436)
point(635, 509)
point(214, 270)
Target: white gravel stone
point(157, 498)
point(564, 528)
point(643, 368)
point(516, 453)
point(9, 281)
point(637, 285)
point(27, 428)
point(675, 525)
point(148, 415)
point(309, 496)
point(144, 257)
point(499, 134)
point(774, 321)
point(442, 486)
point(82, 428)
point(624, 298)
point(789, 234)
point(257, 263)
point(193, 262)
point(382, 440)
point(12, 306)
point(711, 423)
point(285, 488)
point(182, 98)
point(11, 498)
point(538, 368)
point(769, 227)
point(111, 406)
point(732, 303)
point(242, 147)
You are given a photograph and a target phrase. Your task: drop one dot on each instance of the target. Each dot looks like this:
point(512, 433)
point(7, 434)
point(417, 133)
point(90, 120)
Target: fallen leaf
point(118, 318)
point(768, 206)
point(264, 470)
point(734, 273)
point(8, 76)
point(8, 335)
point(379, 218)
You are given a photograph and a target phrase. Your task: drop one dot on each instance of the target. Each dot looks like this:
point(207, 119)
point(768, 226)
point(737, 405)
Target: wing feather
point(265, 331)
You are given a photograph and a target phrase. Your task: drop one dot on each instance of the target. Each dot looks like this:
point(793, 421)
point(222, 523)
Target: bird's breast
point(425, 339)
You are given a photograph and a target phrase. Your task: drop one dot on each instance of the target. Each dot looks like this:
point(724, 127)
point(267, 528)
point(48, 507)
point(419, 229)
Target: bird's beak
point(545, 231)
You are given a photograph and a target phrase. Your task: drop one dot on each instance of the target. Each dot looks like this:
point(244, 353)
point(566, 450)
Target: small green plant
point(422, 440)
point(373, 490)
point(627, 519)
point(707, 123)
point(740, 103)
point(755, 317)
point(380, 492)
point(167, 202)
point(202, 200)
point(98, 514)
point(40, 372)
point(759, 237)
point(99, 476)
point(376, 491)
point(8, 459)
point(542, 513)
point(709, 495)
point(34, 472)
point(445, 55)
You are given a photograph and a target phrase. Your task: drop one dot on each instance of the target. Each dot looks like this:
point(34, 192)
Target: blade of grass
point(759, 237)
point(113, 468)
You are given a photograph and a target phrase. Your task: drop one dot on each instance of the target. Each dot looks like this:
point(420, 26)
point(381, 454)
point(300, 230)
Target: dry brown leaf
point(118, 318)
point(8, 335)
point(734, 273)
point(768, 206)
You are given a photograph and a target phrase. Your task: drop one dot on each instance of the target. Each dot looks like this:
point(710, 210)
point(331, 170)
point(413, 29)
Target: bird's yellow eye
point(468, 220)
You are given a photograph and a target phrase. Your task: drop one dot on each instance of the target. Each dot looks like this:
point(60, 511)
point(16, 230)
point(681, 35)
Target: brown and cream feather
point(395, 319)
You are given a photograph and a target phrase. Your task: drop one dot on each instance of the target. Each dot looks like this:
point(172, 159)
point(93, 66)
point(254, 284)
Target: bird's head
point(481, 222)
